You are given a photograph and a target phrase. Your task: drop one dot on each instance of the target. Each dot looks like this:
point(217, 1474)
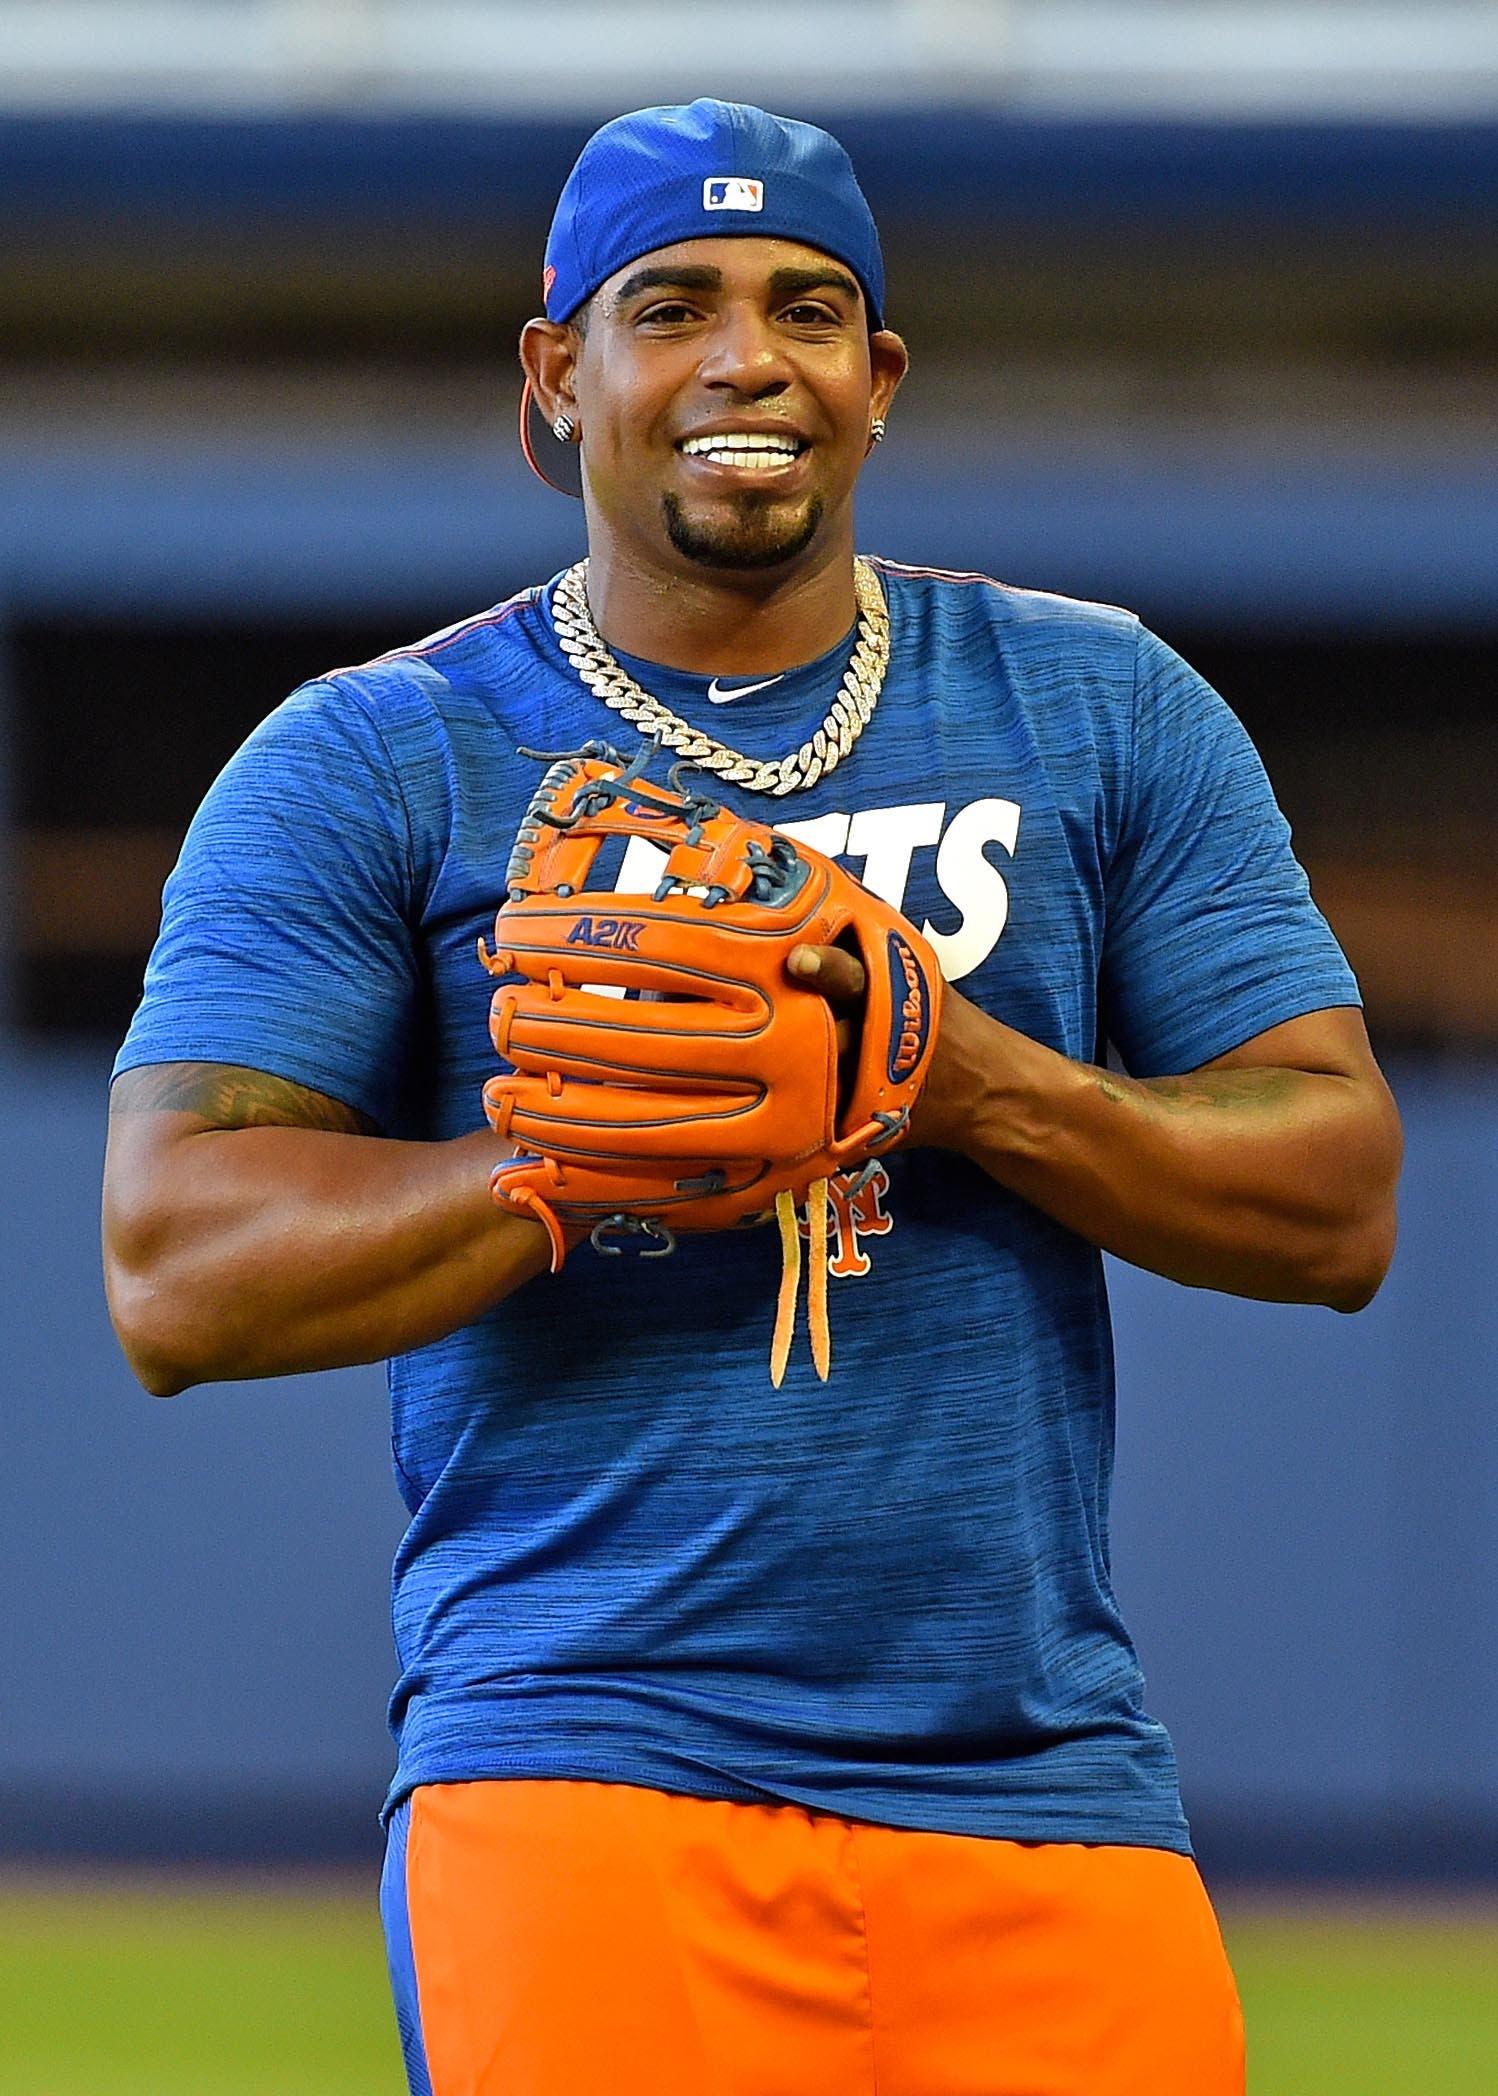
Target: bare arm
point(1270, 1172)
point(253, 1227)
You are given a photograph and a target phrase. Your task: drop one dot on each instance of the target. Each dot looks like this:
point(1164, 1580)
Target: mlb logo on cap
point(732, 193)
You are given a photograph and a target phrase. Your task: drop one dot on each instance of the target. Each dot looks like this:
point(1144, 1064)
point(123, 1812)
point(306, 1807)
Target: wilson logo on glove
point(912, 1008)
point(618, 934)
point(711, 1094)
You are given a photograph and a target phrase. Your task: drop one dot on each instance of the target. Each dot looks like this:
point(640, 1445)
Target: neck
point(716, 621)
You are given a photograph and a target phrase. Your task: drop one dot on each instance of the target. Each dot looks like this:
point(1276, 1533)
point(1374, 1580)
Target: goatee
point(756, 539)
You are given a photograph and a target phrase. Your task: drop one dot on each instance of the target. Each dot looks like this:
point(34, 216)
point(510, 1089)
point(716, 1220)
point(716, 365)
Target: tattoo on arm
point(1230, 1089)
point(225, 1096)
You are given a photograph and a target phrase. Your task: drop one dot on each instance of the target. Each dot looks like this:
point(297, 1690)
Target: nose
point(745, 355)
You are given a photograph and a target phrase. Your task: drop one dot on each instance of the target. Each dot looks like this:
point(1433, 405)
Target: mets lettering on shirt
point(617, 934)
point(887, 840)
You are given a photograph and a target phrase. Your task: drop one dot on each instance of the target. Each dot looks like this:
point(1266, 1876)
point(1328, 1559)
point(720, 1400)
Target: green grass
point(176, 1989)
point(1386, 2000)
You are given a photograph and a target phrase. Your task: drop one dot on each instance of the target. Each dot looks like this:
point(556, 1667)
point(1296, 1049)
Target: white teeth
point(766, 461)
point(742, 448)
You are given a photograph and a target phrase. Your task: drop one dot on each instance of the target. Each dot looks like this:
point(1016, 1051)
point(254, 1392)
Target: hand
point(944, 1115)
point(946, 1103)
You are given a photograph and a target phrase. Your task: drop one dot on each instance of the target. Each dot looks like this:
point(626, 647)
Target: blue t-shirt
point(629, 1557)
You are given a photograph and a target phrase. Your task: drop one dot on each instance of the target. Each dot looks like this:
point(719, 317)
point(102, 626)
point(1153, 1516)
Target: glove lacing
point(662, 1239)
point(818, 1328)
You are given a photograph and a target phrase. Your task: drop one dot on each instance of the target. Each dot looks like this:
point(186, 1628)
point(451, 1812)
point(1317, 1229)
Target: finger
point(838, 975)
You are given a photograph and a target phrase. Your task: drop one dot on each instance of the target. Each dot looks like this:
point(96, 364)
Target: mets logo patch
point(856, 1211)
point(910, 1008)
point(616, 934)
point(732, 193)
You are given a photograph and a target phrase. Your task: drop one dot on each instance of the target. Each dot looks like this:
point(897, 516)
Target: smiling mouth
point(750, 452)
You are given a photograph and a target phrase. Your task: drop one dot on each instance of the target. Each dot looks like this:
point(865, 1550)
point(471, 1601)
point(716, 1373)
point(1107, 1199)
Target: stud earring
point(877, 429)
point(563, 428)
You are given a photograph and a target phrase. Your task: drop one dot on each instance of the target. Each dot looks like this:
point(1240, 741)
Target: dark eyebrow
point(685, 277)
point(785, 283)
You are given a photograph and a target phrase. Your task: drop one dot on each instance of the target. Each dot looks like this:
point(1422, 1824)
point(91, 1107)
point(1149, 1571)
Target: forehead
point(742, 263)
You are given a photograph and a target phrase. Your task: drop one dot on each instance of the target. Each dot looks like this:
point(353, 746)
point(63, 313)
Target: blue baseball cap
point(697, 172)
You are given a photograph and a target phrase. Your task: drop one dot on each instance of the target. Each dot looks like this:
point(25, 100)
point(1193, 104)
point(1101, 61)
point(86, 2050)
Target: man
point(751, 1741)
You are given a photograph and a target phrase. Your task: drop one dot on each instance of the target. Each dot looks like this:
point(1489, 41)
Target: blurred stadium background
point(1203, 302)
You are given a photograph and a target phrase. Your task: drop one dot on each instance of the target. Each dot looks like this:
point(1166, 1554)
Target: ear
point(548, 356)
point(889, 360)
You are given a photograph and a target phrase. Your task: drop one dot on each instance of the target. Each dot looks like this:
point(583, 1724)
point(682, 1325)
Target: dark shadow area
point(1381, 750)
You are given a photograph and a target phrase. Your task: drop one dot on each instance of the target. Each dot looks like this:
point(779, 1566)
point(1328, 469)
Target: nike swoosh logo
point(720, 697)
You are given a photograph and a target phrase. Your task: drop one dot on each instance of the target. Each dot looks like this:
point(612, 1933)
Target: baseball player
point(758, 1740)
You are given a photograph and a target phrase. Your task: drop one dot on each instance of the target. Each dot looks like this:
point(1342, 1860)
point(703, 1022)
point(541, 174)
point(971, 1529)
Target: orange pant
point(598, 1939)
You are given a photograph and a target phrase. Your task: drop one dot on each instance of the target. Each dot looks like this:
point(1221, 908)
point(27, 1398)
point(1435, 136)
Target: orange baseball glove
point(707, 1091)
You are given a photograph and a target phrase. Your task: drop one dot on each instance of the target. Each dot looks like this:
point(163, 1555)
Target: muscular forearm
point(1267, 1182)
point(282, 1249)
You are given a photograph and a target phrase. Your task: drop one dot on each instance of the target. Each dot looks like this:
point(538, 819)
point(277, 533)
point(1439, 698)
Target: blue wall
point(1200, 532)
point(965, 167)
point(196, 1652)
point(1306, 1528)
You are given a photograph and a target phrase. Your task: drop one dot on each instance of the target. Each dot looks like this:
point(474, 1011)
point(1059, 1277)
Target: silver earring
point(876, 430)
point(563, 428)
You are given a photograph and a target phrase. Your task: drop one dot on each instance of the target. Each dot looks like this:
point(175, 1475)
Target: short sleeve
point(286, 942)
point(1211, 934)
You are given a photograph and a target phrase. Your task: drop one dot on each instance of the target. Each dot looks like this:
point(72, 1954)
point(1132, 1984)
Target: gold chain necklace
point(851, 711)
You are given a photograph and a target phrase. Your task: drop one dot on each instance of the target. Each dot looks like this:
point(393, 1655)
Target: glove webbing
point(790, 1280)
